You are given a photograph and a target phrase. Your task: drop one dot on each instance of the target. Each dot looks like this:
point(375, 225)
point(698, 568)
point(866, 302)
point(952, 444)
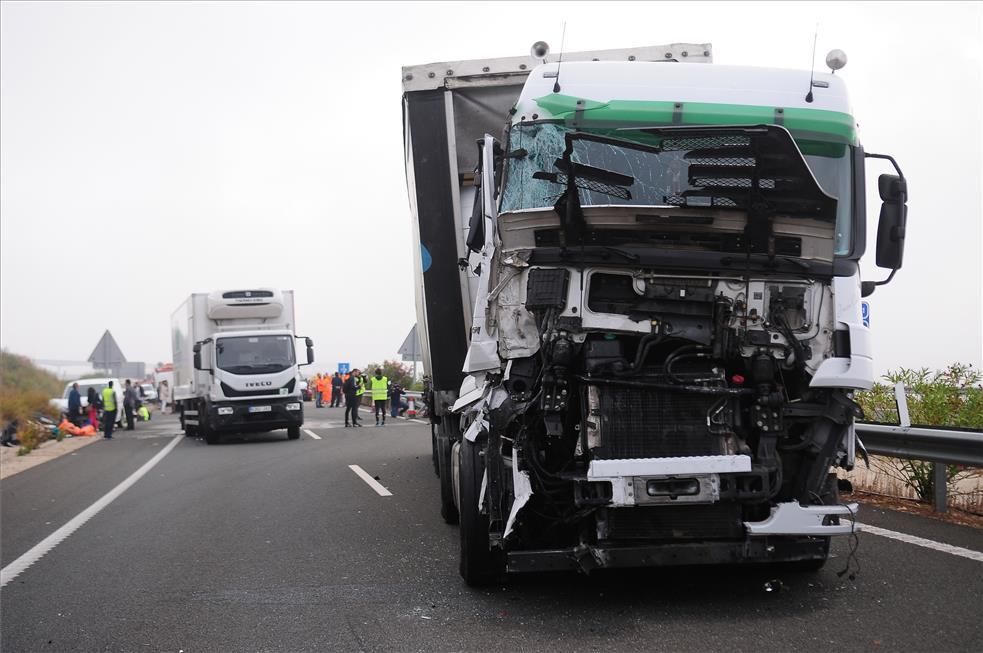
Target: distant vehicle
point(235, 364)
point(305, 390)
point(149, 392)
point(61, 403)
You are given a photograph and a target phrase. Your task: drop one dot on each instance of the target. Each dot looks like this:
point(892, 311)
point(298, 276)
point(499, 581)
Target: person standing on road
point(93, 398)
point(352, 398)
point(379, 387)
point(74, 405)
point(336, 390)
point(318, 390)
point(164, 395)
point(108, 410)
point(129, 404)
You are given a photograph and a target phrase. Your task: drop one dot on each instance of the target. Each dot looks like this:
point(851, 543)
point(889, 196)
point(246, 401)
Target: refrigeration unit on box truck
point(640, 304)
point(235, 363)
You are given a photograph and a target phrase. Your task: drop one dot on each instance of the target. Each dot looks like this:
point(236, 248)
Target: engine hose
point(695, 389)
point(674, 359)
point(644, 345)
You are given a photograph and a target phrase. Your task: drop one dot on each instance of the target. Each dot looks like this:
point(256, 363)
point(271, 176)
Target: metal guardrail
point(939, 445)
point(935, 444)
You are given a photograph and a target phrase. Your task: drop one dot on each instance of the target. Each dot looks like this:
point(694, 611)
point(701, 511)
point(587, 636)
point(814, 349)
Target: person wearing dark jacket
point(336, 390)
point(129, 403)
point(74, 405)
point(350, 388)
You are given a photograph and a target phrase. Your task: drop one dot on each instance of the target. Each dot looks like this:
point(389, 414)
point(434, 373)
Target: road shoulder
point(11, 463)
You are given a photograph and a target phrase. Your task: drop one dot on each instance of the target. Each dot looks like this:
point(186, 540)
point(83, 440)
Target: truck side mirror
point(197, 350)
point(891, 225)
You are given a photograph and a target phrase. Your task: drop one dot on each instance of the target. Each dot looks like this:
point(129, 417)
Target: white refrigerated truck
point(640, 304)
point(235, 363)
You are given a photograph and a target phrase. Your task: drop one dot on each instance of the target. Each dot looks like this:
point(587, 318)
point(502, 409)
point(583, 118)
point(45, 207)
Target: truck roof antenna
point(812, 64)
point(563, 38)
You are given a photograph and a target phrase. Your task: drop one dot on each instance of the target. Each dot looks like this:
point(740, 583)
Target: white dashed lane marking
point(922, 542)
point(372, 483)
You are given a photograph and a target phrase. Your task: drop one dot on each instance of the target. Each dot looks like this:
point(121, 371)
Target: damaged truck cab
point(661, 265)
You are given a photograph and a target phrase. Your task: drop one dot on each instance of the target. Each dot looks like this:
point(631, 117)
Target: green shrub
point(950, 397)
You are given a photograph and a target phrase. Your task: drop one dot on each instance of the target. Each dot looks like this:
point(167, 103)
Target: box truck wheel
point(479, 564)
point(205, 429)
point(447, 508)
point(293, 432)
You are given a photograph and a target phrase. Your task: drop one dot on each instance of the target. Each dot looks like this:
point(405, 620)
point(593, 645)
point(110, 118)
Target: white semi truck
point(640, 304)
point(235, 363)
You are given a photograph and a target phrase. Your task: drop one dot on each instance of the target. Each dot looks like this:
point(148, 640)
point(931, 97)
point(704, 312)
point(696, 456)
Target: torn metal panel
point(477, 426)
point(518, 336)
point(472, 389)
point(522, 489)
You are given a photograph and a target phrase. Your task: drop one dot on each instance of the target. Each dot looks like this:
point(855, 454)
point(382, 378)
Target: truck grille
point(645, 423)
point(716, 521)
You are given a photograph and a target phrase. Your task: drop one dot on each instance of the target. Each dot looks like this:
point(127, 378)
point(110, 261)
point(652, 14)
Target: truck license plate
point(260, 409)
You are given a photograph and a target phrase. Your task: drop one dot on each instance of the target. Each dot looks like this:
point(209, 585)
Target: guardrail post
point(939, 487)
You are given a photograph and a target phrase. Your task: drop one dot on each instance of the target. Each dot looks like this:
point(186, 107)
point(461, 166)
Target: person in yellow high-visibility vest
point(108, 410)
point(379, 387)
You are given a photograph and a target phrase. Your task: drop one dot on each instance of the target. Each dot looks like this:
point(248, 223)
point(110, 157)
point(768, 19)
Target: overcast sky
point(148, 151)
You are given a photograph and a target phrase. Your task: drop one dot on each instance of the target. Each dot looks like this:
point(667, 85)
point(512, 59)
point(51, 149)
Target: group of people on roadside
point(331, 389)
point(101, 407)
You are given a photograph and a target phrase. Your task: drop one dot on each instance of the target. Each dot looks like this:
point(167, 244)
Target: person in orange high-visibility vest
point(323, 385)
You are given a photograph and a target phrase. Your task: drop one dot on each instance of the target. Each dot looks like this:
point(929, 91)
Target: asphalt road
point(265, 544)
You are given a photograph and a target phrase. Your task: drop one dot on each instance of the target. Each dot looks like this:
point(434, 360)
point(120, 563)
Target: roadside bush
point(31, 435)
point(949, 397)
point(18, 373)
point(25, 392)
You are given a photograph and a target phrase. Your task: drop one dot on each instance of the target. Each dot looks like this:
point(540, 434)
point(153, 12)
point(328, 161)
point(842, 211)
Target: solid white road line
point(374, 484)
point(312, 434)
point(38, 551)
point(921, 541)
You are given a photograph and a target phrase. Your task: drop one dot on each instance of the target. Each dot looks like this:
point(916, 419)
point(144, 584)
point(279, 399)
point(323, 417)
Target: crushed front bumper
point(589, 557)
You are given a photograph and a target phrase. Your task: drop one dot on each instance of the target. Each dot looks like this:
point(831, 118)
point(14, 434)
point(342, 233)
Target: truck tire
point(447, 508)
point(293, 432)
point(479, 564)
point(205, 429)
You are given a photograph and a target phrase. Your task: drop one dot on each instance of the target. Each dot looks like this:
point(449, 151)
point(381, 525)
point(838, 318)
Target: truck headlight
point(226, 410)
point(294, 406)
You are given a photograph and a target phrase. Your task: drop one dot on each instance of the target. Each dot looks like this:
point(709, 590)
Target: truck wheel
point(447, 508)
point(293, 432)
point(204, 428)
point(479, 565)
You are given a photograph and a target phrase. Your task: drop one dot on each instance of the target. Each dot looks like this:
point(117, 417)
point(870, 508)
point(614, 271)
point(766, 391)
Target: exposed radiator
point(646, 423)
point(716, 521)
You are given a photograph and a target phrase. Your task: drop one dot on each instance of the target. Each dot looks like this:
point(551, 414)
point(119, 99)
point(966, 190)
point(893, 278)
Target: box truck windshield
point(255, 354)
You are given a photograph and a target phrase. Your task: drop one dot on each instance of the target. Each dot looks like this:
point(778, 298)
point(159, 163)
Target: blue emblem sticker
point(865, 313)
